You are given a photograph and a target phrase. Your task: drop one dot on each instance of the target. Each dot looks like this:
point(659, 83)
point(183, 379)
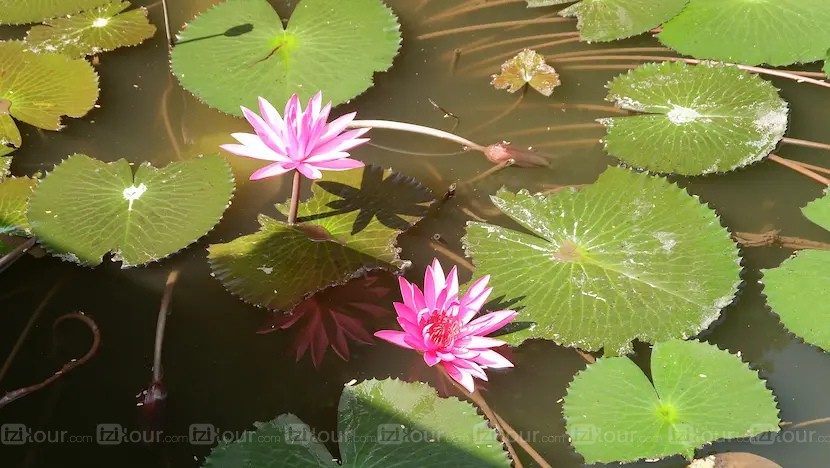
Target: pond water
point(219, 372)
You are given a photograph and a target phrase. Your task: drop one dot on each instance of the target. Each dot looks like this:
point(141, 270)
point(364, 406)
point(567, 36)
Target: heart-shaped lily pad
point(34, 11)
point(40, 88)
point(93, 31)
point(331, 46)
point(348, 227)
point(798, 289)
point(699, 394)
point(699, 119)
point(527, 67)
point(86, 208)
point(779, 32)
point(628, 257)
point(608, 20)
point(382, 423)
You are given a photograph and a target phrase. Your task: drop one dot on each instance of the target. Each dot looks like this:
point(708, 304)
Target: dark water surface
point(219, 372)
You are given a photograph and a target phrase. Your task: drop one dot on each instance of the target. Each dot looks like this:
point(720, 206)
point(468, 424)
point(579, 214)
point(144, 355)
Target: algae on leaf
point(699, 394)
point(628, 257)
point(93, 31)
point(331, 46)
point(86, 208)
point(697, 119)
point(779, 32)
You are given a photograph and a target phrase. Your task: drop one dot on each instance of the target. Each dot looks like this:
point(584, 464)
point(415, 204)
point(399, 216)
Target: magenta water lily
point(301, 140)
point(439, 324)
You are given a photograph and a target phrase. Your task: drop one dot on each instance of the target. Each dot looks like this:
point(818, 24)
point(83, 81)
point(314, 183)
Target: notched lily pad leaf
point(35, 11)
point(798, 289)
point(527, 67)
point(733, 31)
point(40, 88)
point(609, 20)
point(329, 45)
point(91, 32)
point(628, 257)
point(86, 208)
point(381, 423)
point(699, 394)
point(5, 166)
point(14, 195)
point(699, 119)
point(362, 211)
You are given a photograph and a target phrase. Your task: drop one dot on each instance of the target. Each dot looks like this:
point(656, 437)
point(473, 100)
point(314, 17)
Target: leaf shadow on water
point(376, 197)
point(502, 303)
point(231, 32)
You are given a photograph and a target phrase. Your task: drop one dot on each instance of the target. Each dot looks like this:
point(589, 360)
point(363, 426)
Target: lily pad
point(608, 20)
point(349, 226)
point(14, 195)
point(93, 31)
point(699, 119)
point(780, 32)
point(798, 289)
point(5, 166)
point(527, 67)
point(35, 11)
point(628, 257)
point(40, 88)
point(699, 394)
point(10, 138)
point(86, 208)
point(382, 423)
point(544, 3)
point(329, 45)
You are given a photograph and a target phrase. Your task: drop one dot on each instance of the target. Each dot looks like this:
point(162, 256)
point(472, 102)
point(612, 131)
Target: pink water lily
point(439, 324)
point(299, 139)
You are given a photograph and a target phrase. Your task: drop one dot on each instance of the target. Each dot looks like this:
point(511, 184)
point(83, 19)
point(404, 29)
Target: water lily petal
point(255, 143)
point(271, 116)
point(471, 367)
point(434, 282)
point(431, 358)
point(493, 360)
point(394, 337)
point(309, 171)
point(264, 131)
point(248, 152)
point(461, 376)
point(336, 126)
point(339, 164)
point(488, 323)
point(343, 142)
point(270, 171)
point(483, 342)
point(406, 312)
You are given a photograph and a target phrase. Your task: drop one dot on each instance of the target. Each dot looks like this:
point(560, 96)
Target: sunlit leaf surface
point(34, 11)
point(93, 31)
point(699, 394)
point(699, 119)
point(348, 227)
point(628, 257)
point(329, 45)
point(608, 20)
point(86, 208)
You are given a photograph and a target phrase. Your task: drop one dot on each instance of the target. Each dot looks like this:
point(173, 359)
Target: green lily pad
point(527, 67)
point(86, 208)
point(700, 394)
point(628, 257)
point(10, 138)
point(329, 45)
point(92, 32)
point(14, 195)
point(608, 20)
point(699, 119)
point(544, 3)
point(780, 32)
point(798, 289)
point(40, 88)
point(382, 423)
point(348, 227)
point(5, 166)
point(35, 11)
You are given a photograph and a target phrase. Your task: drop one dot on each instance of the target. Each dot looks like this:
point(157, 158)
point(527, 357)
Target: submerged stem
point(164, 311)
point(772, 238)
point(167, 24)
point(14, 255)
point(503, 24)
point(413, 128)
point(477, 48)
point(799, 168)
point(807, 143)
point(465, 9)
point(295, 197)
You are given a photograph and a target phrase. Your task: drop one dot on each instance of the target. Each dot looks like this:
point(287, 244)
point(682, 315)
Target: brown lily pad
point(528, 67)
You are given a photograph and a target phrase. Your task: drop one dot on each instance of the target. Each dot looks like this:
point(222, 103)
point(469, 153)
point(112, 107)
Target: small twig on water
point(799, 168)
point(491, 171)
point(458, 259)
point(447, 114)
point(167, 24)
point(808, 423)
point(96, 342)
point(774, 239)
point(503, 114)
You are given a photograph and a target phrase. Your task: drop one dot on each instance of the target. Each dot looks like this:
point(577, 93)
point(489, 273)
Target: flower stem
point(167, 25)
point(164, 311)
point(453, 12)
point(412, 128)
point(773, 239)
point(799, 168)
point(14, 255)
point(806, 143)
point(295, 198)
